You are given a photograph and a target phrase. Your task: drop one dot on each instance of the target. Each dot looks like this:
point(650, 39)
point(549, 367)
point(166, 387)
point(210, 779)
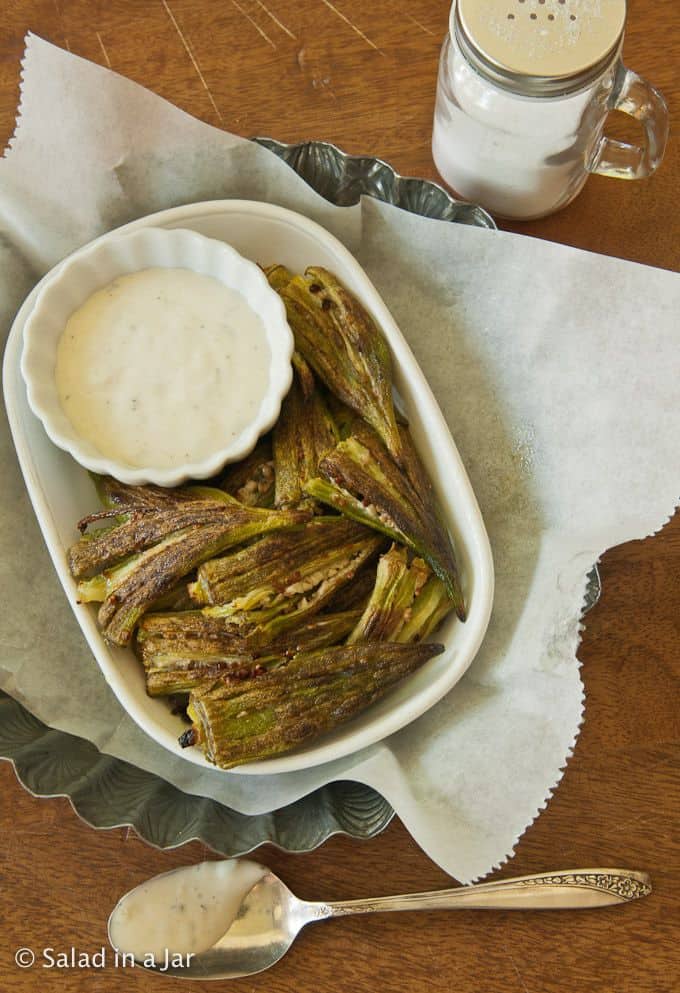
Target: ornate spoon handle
point(564, 890)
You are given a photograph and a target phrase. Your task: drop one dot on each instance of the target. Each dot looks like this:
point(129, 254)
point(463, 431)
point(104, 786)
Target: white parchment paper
point(557, 371)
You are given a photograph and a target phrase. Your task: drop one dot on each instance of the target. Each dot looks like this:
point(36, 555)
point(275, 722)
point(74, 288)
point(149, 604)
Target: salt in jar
point(523, 94)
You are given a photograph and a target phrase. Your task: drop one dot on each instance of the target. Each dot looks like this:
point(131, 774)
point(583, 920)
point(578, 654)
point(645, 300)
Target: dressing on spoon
point(260, 917)
point(183, 911)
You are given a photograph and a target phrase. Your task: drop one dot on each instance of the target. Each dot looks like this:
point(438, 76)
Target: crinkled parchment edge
point(559, 775)
point(18, 120)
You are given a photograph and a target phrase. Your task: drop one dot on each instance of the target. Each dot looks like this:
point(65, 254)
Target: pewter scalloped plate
point(52, 763)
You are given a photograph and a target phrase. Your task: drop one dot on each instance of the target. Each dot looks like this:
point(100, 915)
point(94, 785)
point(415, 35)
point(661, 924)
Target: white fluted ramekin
point(89, 270)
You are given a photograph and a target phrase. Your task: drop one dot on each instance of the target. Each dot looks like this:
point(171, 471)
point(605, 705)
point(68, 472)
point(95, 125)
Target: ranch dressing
point(162, 367)
point(182, 912)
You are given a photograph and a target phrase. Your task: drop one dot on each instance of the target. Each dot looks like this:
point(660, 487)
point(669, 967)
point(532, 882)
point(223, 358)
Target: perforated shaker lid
point(539, 47)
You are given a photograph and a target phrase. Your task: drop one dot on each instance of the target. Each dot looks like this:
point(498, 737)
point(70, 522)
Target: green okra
point(345, 348)
point(359, 479)
point(429, 609)
point(303, 434)
point(155, 548)
point(283, 566)
point(397, 586)
point(173, 640)
point(272, 617)
point(356, 594)
point(279, 277)
point(195, 674)
point(239, 721)
point(251, 481)
point(318, 631)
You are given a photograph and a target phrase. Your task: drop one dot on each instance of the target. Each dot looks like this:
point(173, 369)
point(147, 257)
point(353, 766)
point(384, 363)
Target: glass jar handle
point(634, 96)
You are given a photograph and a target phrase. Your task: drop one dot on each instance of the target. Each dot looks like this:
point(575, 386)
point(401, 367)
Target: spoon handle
point(571, 889)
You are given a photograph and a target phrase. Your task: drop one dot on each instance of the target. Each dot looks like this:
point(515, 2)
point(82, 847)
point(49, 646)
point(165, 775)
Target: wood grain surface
point(362, 75)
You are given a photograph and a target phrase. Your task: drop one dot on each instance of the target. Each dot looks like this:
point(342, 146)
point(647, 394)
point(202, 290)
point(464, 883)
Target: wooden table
point(362, 75)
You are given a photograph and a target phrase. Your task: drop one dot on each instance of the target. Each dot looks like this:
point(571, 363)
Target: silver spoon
point(270, 916)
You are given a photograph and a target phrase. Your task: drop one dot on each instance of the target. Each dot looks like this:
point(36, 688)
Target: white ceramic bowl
point(70, 285)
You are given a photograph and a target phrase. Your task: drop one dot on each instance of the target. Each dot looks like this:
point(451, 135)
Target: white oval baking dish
point(62, 492)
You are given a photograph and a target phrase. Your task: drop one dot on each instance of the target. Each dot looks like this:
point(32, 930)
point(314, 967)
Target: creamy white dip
point(162, 367)
point(182, 912)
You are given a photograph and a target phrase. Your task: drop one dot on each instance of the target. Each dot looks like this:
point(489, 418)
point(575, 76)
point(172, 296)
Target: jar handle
point(634, 96)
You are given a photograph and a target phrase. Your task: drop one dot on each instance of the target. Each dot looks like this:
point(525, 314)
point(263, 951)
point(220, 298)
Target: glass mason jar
point(523, 93)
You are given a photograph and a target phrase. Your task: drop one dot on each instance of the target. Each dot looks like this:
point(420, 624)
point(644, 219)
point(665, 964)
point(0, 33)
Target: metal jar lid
point(539, 47)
